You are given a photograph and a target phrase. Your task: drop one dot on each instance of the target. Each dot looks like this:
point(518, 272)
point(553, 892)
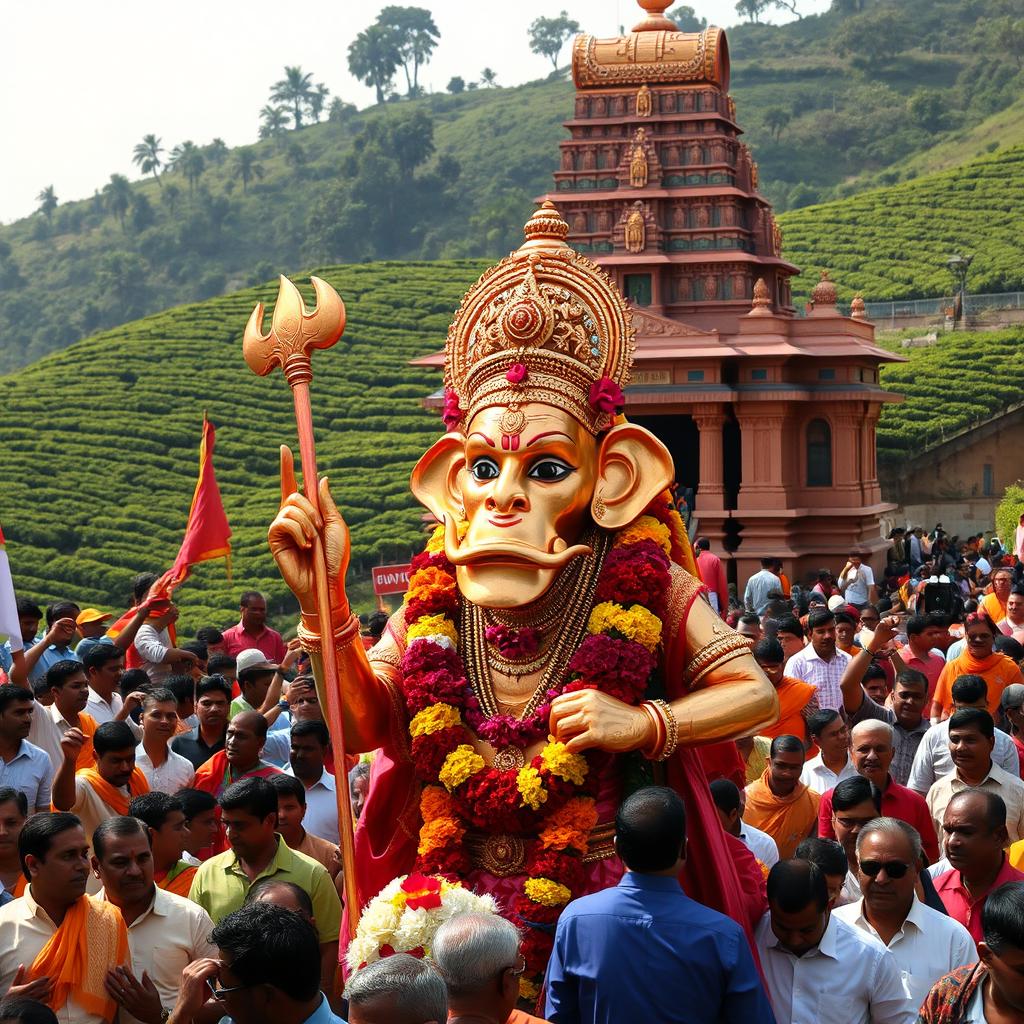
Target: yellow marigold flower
point(432, 625)
point(459, 765)
point(646, 528)
point(531, 788)
point(436, 542)
point(558, 761)
point(634, 623)
point(528, 990)
point(434, 719)
point(546, 892)
point(439, 833)
point(436, 803)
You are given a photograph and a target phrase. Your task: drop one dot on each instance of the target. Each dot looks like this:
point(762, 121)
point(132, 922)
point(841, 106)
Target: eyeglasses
point(516, 971)
point(893, 868)
point(218, 991)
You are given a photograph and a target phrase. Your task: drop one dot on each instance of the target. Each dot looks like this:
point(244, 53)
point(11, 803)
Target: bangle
point(660, 731)
point(668, 734)
point(312, 643)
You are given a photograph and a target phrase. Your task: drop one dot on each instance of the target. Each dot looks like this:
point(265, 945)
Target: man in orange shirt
point(478, 957)
point(994, 604)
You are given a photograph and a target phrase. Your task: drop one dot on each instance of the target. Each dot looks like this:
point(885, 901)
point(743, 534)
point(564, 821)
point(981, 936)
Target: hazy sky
point(81, 83)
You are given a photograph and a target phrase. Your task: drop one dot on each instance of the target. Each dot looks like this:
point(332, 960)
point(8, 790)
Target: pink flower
point(516, 373)
point(451, 414)
point(606, 396)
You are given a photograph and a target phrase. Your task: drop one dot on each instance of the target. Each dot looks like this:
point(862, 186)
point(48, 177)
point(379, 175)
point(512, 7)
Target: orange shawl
point(114, 798)
point(787, 819)
point(997, 670)
point(179, 879)
point(87, 724)
point(794, 696)
point(78, 956)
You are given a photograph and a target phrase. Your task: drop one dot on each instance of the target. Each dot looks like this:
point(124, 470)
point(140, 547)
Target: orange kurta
point(787, 819)
point(997, 670)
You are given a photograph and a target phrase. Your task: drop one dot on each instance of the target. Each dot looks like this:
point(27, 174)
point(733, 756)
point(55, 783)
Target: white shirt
point(175, 773)
point(975, 1012)
point(152, 646)
point(928, 946)
point(848, 978)
point(104, 711)
point(1000, 782)
point(932, 760)
point(856, 584)
point(850, 891)
point(818, 776)
point(825, 675)
point(171, 934)
point(45, 733)
point(321, 807)
point(760, 844)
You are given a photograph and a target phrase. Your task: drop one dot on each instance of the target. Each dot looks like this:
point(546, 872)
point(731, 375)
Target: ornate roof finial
point(545, 229)
point(857, 309)
point(824, 292)
point(762, 304)
point(656, 20)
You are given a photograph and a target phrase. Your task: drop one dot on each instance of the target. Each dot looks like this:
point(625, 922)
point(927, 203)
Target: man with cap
point(260, 681)
point(92, 627)
point(1012, 704)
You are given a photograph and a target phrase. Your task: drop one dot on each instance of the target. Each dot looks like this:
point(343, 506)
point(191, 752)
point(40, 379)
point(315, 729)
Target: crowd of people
point(169, 828)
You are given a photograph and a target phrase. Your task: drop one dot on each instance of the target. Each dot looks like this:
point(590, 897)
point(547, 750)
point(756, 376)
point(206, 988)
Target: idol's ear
point(435, 480)
point(633, 468)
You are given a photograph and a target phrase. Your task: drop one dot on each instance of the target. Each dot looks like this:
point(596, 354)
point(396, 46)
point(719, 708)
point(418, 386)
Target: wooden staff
point(295, 332)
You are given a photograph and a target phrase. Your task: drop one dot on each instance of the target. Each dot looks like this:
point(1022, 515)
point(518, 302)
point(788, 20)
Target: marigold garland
point(548, 800)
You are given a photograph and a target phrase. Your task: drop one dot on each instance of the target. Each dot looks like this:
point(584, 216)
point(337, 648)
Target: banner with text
point(391, 579)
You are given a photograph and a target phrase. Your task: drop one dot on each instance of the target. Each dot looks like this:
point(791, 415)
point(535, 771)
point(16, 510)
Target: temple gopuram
point(770, 416)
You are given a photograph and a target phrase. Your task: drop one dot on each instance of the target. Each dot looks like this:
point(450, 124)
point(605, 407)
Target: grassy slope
point(893, 242)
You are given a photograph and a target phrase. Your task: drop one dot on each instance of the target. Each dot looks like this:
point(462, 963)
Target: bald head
point(979, 805)
point(246, 734)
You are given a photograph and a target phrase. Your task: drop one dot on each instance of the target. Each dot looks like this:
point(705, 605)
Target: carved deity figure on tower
point(636, 229)
point(644, 101)
point(554, 640)
point(638, 169)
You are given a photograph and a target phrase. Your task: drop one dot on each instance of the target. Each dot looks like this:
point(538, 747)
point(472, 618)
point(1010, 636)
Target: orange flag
point(207, 533)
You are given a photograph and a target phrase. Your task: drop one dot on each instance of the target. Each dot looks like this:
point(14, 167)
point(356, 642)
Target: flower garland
point(549, 797)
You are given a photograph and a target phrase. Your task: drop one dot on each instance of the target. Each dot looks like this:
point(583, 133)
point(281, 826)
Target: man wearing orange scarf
point(104, 790)
point(797, 700)
point(779, 803)
point(59, 943)
point(978, 659)
point(164, 818)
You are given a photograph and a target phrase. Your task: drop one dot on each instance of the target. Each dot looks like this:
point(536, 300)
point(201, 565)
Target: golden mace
point(294, 333)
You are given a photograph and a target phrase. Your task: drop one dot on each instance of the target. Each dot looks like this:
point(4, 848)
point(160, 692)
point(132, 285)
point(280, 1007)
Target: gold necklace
point(472, 625)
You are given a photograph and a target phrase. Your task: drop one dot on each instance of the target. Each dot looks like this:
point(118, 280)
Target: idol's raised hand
point(291, 538)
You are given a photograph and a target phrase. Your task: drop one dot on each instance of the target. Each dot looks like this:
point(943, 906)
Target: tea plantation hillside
point(892, 243)
point(101, 440)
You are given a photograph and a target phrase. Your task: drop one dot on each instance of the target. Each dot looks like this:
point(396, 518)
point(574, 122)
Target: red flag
point(207, 534)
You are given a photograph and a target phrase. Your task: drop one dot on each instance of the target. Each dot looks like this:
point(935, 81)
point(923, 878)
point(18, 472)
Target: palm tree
point(317, 99)
point(373, 58)
point(172, 196)
point(274, 121)
point(216, 151)
point(147, 156)
point(248, 167)
point(293, 90)
point(188, 158)
point(118, 196)
point(47, 200)
point(488, 78)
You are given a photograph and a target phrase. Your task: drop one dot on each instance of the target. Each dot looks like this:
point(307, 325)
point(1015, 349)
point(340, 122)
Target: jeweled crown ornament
point(544, 325)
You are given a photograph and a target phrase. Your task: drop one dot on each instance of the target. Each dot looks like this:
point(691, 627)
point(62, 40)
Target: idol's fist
point(292, 535)
point(590, 719)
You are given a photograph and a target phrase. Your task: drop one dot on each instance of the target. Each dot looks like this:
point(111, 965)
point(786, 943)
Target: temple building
point(770, 417)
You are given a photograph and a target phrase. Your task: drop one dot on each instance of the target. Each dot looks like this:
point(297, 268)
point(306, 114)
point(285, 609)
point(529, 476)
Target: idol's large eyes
point(484, 468)
point(549, 470)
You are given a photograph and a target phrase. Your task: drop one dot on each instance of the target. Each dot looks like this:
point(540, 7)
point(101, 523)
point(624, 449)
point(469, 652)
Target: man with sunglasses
point(925, 943)
point(267, 969)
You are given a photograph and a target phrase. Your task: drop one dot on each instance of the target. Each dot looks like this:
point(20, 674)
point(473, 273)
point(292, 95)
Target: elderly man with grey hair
point(400, 989)
point(925, 943)
point(478, 957)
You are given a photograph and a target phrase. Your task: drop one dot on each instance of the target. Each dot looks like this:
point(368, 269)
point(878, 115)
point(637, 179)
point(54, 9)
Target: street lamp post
point(958, 267)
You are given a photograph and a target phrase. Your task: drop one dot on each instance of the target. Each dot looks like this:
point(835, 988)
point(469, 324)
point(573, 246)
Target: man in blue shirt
point(644, 950)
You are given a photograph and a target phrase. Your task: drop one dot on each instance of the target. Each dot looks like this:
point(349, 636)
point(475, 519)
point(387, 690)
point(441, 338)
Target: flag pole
point(294, 333)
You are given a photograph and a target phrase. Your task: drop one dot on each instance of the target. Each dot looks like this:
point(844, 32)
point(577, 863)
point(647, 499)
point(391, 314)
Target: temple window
point(819, 454)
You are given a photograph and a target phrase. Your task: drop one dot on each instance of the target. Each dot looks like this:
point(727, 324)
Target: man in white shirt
point(818, 969)
point(165, 770)
point(165, 932)
point(832, 763)
point(933, 760)
point(821, 663)
point(728, 799)
point(971, 740)
point(160, 658)
point(310, 741)
point(761, 588)
point(857, 582)
point(925, 943)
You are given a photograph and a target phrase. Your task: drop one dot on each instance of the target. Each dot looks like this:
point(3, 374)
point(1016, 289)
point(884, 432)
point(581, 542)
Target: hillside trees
point(373, 58)
point(47, 200)
point(297, 91)
point(488, 78)
point(686, 18)
point(248, 166)
point(411, 30)
point(188, 158)
point(147, 156)
point(273, 121)
point(549, 35)
point(117, 196)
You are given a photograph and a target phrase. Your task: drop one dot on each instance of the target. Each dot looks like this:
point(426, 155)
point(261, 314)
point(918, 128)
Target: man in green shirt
point(249, 814)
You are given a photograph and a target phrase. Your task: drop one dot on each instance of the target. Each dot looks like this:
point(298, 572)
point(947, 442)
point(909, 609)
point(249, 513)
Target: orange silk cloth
point(91, 940)
point(794, 695)
point(87, 724)
point(117, 800)
point(997, 670)
point(178, 880)
point(787, 819)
